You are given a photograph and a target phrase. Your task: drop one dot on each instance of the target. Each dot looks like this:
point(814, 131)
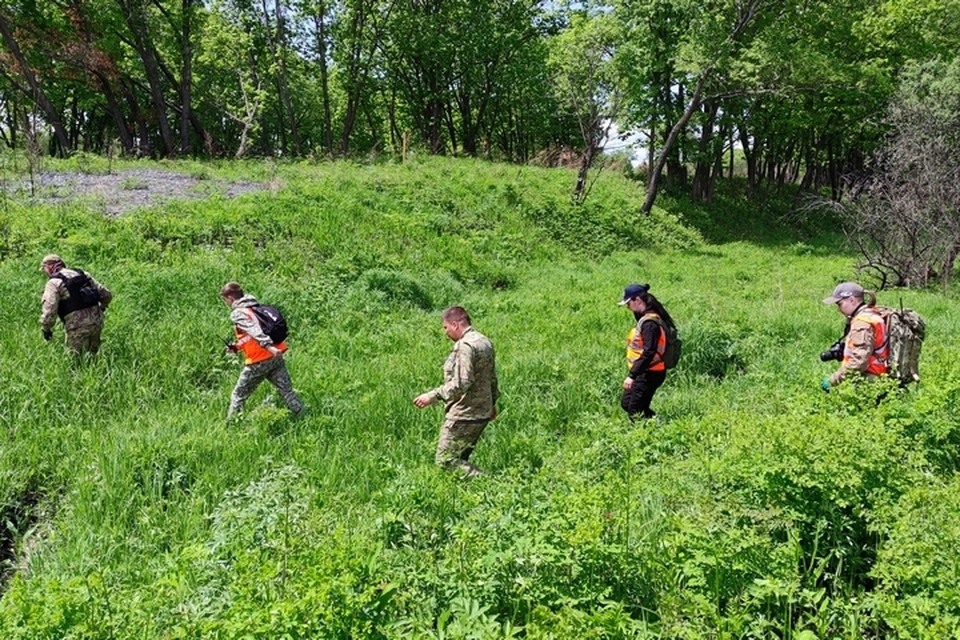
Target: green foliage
point(917, 568)
point(754, 506)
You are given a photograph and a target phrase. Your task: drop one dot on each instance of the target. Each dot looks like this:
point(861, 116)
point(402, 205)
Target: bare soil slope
point(123, 191)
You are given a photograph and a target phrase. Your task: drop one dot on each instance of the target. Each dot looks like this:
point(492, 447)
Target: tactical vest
point(635, 344)
point(83, 294)
point(877, 362)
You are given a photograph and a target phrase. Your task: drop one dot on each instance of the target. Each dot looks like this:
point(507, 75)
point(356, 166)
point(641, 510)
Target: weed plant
point(754, 506)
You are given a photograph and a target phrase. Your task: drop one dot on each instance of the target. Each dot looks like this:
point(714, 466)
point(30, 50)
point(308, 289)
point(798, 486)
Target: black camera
point(835, 352)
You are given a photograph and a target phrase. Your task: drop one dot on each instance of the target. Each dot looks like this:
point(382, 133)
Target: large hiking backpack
point(905, 333)
point(271, 322)
point(83, 294)
point(674, 345)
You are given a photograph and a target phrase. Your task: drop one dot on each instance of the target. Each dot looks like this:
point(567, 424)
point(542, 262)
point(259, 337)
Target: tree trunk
point(135, 17)
point(113, 108)
point(277, 43)
point(34, 91)
point(145, 147)
point(750, 155)
point(349, 122)
point(654, 184)
point(186, 78)
point(10, 126)
point(192, 117)
point(321, 34)
point(284, 78)
point(705, 160)
point(468, 129)
point(434, 120)
point(586, 161)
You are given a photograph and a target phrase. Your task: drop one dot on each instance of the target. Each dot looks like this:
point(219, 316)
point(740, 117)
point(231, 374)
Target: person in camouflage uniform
point(866, 345)
point(78, 300)
point(469, 392)
point(263, 360)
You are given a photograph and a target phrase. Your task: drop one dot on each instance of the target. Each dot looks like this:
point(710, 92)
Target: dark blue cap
point(633, 291)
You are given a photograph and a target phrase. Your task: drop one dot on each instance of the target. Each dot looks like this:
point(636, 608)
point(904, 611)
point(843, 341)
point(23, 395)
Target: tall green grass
point(755, 506)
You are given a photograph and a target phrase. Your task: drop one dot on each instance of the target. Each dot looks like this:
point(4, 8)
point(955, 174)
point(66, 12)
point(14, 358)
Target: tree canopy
point(794, 92)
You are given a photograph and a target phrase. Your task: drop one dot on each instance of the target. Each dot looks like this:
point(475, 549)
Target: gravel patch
point(124, 191)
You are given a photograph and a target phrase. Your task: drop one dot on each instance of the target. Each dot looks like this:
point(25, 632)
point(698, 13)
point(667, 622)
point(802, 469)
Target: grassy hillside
point(756, 506)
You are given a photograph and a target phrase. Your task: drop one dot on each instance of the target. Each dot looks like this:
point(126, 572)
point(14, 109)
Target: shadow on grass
point(769, 219)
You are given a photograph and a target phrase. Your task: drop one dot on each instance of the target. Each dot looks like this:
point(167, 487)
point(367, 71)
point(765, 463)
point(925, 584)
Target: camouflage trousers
point(457, 440)
point(83, 328)
point(274, 370)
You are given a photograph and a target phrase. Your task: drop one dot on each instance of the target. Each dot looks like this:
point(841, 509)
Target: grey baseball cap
point(844, 290)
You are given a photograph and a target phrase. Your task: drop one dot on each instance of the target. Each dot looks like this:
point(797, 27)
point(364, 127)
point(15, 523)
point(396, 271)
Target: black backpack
point(671, 350)
point(83, 294)
point(271, 322)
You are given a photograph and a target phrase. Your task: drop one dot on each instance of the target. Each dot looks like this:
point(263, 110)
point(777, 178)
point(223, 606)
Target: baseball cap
point(844, 290)
point(632, 291)
point(50, 258)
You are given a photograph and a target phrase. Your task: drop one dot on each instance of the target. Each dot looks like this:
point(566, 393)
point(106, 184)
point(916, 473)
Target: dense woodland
point(800, 87)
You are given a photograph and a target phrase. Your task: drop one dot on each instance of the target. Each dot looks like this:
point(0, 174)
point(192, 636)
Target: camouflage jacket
point(470, 388)
point(55, 291)
point(859, 346)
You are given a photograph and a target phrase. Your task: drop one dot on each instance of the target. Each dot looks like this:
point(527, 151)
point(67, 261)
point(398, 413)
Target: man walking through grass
point(866, 346)
point(78, 300)
point(469, 392)
point(262, 359)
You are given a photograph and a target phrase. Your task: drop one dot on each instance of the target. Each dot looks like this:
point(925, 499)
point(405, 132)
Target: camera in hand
point(835, 352)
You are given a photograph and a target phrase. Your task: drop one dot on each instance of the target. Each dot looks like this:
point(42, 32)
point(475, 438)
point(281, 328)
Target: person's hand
point(276, 352)
point(230, 348)
point(825, 384)
point(628, 383)
point(47, 334)
point(423, 400)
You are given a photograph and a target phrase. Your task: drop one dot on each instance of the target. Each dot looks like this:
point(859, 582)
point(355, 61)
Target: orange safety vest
point(877, 362)
point(635, 345)
point(252, 351)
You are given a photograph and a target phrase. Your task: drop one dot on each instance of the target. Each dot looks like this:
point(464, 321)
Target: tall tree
point(228, 72)
point(320, 14)
point(142, 32)
point(274, 15)
point(19, 70)
point(722, 33)
point(582, 63)
point(359, 33)
point(447, 59)
point(94, 55)
point(186, 75)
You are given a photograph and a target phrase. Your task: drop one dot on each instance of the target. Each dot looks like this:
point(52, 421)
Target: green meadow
point(755, 506)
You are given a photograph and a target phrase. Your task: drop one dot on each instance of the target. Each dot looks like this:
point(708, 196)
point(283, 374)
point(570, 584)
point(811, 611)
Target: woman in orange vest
point(866, 347)
point(645, 346)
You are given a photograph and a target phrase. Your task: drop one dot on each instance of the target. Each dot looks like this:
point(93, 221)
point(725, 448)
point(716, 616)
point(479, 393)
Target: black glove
point(47, 334)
